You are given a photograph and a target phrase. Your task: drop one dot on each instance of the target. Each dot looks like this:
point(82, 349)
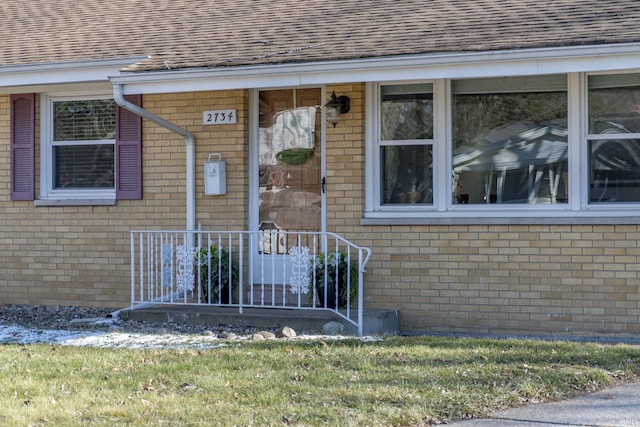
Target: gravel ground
point(86, 326)
point(83, 318)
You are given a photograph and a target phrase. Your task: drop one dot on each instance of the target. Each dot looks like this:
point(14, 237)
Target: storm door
point(290, 190)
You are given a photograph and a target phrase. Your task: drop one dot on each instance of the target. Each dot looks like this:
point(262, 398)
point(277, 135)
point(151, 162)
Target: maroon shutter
point(23, 141)
point(129, 151)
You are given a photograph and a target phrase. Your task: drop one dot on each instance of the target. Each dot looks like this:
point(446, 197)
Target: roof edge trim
point(535, 61)
point(63, 72)
point(72, 65)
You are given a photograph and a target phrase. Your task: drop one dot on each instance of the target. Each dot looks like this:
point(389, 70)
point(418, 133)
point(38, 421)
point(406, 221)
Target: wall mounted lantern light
point(337, 105)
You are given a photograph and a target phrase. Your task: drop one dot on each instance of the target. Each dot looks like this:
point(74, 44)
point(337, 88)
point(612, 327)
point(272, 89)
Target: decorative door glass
point(290, 165)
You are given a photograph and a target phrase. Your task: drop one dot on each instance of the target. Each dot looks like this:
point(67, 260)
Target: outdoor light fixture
point(337, 105)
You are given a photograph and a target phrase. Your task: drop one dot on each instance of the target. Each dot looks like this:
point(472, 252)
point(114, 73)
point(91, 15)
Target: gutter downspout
point(191, 149)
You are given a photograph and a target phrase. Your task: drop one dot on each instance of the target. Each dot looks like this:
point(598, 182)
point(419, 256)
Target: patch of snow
point(22, 335)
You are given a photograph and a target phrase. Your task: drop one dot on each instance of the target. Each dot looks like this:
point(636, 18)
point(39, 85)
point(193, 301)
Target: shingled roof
point(177, 34)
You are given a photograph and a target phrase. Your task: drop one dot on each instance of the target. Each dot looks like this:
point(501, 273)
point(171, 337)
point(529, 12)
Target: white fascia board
point(446, 65)
point(36, 77)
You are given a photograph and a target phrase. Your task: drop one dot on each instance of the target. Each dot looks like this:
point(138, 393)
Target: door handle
point(323, 184)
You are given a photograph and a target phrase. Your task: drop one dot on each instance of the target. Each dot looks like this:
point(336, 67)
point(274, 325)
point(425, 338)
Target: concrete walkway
point(614, 407)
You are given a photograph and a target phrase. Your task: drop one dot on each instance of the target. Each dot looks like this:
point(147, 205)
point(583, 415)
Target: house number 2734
point(219, 117)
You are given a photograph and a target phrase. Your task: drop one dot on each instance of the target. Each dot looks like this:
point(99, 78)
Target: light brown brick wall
point(550, 280)
point(565, 280)
point(345, 166)
point(79, 255)
point(517, 279)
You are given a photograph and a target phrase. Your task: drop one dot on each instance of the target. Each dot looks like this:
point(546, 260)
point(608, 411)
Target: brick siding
point(506, 279)
point(80, 255)
point(564, 280)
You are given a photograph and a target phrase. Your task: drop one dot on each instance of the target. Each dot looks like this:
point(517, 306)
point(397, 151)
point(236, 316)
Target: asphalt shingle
point(226, 33)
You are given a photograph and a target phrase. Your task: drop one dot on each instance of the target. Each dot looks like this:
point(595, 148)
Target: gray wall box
point(215, 175)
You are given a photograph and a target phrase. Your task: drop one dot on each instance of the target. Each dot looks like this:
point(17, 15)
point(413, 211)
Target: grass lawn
point(399, 381)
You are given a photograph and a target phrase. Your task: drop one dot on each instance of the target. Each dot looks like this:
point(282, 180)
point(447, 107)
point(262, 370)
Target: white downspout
point(191, 149)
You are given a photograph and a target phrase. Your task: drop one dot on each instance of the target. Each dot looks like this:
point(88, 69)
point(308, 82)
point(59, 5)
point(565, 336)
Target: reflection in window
point(83, 144)
point(614, 138)
point(85, 120)
point(406, 146)
point(407, 112)
point(83, 166)
point(289, 158)
point(510, 140)
point(615, 170)
point(407, 174)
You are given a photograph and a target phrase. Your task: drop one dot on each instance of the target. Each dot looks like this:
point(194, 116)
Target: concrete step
point(375, 322)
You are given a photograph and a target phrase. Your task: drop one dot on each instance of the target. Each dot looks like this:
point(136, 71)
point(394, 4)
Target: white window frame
point(74, 196)
point(587, 138)
point(443, 211)
point(374, 191)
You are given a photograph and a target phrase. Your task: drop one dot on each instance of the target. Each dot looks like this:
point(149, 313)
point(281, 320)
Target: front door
point(289, 193)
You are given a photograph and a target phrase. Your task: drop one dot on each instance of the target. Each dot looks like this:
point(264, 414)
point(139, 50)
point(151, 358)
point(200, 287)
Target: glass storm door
point(290, 172)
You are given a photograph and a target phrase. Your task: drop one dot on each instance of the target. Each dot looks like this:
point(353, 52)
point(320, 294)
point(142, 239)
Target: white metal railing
point(263, 269)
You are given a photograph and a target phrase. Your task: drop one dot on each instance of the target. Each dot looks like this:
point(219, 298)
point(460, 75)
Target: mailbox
point(215, 175)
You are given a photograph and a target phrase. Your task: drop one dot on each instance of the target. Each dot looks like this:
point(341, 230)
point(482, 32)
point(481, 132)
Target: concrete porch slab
point(375, 322)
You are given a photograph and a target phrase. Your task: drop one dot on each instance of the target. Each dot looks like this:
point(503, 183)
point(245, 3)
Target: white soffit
point(80, 75)
point(599, 58)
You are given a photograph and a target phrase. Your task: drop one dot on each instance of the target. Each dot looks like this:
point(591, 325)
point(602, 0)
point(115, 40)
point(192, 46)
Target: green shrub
point(218, 259)
point(340, 272)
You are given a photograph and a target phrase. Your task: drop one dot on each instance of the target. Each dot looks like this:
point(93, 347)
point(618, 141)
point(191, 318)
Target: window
point(510, 140)
point(83, 143)
point(91, 150)
point(614, 138)
point(78, 147)
point(405, 147)
point(565, 147)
